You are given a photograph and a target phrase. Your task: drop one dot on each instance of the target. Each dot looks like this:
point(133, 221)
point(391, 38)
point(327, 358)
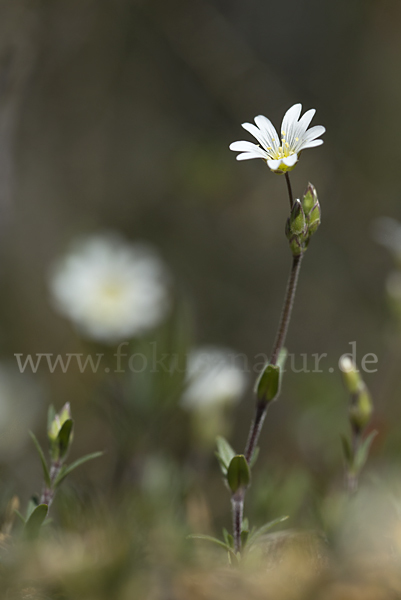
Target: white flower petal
point(248, 156)
point(313, 133)
point(261, 136)
point(311, 144)
point(290, 119)
point(243, 146)
point(305, 121)
point(249, 148)
point(290, 160)
point(213, 378)
point(267, 127)
point(274, 164)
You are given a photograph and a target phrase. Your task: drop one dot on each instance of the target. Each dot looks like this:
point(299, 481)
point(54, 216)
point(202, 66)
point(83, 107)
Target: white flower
point(110, 289)
point(393, 286)
point(213, 378)
point(387, 232)
point(280, 152)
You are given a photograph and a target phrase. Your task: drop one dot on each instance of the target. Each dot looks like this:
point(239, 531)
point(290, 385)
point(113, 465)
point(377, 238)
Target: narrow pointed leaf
point(213, 540)
point(32, 504)
point(228, 538)
point(45, 468)
point(224, 450)
point(363, 451)
point(67, 470)
point(264, 529)
point(222, 464)
point(19, 515)
point(51, 413)
point(244, 537)
point(346, 450)
point(64, 437)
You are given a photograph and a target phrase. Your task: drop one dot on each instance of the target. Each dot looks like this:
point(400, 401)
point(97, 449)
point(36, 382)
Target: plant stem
point(237, 504)
point(48, 492)
point(261, 407)
point(287, 308)
point(237, 499)
point(352, 478)
point(289, 188)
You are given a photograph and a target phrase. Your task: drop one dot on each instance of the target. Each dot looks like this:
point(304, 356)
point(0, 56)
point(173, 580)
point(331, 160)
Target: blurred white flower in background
point(110, 289)
point(387, 232)
point(393, 285)
point(21, 399)
point(213, 378)
point(280, 152)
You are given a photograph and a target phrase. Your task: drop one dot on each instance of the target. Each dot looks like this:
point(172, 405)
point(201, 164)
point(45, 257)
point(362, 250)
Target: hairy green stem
point(261, 406)
point(289, 188)
point(351, 477)
point(48, 492)
point(237, 504)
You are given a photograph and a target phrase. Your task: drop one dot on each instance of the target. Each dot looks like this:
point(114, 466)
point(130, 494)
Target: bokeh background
point(118, 116)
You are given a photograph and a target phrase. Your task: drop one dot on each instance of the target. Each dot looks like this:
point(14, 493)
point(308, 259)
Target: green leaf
point(264, 529)
point(213, 540)
point(45, 468)
point(363, 451)
point(17, 512)
point(67, 470)
point(238, 473)
point(224, 452)
point(35, 521)
point(244, 537)
point(32, 504)
point(346, 450)
point(254, 457)
point(228, 538)
point(245, 525)
point(64, 437)
point(51, 413)
point(268, 385)
point(222, 464)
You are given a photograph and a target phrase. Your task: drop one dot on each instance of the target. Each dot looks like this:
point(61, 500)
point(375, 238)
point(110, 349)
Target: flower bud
point(314, 219)
point(361, 407)
point(297, 221)
point(351, 376)
point(60, 431)
point(309, 198)
point(57, 421)
point(297, 246)
point(296, 229)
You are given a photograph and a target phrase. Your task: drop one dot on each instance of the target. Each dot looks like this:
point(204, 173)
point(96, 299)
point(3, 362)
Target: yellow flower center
point(111, 291)
point(283, 151)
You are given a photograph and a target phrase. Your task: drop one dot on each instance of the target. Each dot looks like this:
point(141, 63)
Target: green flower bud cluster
point(303, 221)
point(361, 406)
point(59, 431)
point(356, 449)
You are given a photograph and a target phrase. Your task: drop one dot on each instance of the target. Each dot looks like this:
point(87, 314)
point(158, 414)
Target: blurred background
point(118, 116)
